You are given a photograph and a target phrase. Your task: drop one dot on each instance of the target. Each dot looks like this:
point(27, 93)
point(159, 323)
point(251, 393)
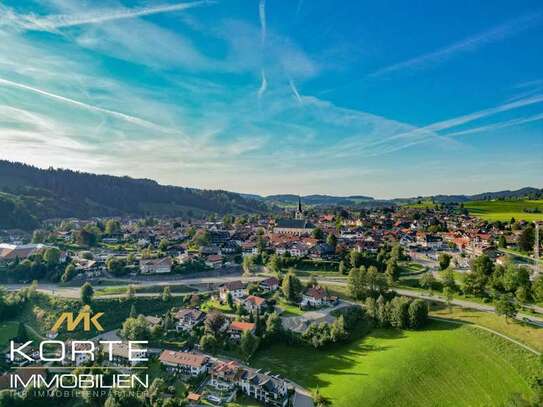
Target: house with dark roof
point(188, 318)
point(297, 227)
point(270, 390)
point(269, 284)
point(317, 296)
point(235, 288)
point(156, 266)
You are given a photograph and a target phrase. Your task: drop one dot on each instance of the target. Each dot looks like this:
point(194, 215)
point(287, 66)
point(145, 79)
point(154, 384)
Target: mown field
point(8, 331)
point(505, 210)
point(445, 365)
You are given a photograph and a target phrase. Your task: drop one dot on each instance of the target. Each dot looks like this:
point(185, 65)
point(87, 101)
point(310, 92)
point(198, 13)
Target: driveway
point(299, 324)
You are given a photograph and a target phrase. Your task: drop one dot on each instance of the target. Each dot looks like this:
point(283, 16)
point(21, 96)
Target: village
point(242, 283)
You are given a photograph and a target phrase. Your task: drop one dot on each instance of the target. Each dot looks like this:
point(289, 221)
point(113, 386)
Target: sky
point(387, 99)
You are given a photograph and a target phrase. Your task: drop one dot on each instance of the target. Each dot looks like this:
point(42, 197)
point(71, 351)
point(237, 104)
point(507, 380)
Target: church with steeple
point(298, 226)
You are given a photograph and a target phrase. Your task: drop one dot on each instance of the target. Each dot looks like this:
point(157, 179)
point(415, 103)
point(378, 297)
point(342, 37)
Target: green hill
point(521, 209)
point(443, 365)
point(29, 195)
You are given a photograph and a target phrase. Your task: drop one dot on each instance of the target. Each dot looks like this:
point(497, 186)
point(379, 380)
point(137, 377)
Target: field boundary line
point(484, 328)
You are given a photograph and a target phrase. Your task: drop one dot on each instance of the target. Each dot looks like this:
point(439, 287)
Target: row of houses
point(228, 376)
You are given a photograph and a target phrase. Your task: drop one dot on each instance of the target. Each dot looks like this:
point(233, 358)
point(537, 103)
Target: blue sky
point(388, 98)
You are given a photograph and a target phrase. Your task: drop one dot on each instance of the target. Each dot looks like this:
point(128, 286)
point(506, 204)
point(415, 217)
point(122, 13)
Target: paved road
point(300, 323)
point(73, 292)
point(461, 303)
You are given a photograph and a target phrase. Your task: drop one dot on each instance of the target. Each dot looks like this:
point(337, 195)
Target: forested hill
point(29, 195)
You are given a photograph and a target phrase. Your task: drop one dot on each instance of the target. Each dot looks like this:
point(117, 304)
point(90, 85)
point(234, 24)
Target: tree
point(448, 294)
point(392, 271)
point(506, 306)
point(248, 344)
point(116, 265)
point(163, 245)
point(444, 261)
point(399, 312)
point(371, 307)
point(22, 334)
point(341, 268)
point(482, 265)
point(273, 326)
point(248, 263)
point(381, 311)
point(291, 286)
point(166, 294)
point(356, 283)
point(130, 292)
point(214, 323)
point(112, 227)
point(537, 289)
point(69, 273)
point(427, 281)
point(331, 240)
point(38, 236)
point(355, 258)
point(86, 294)
point(51, 257)
point(418, 314)
point(208, 343)
point(526, 239)
point(447, 279)
point(274, 264)
point(522, 294)
point(87, 236)
point(135, 329)
point(230, 300)
point(317, 233)
point(133, 312)
point(502, 242)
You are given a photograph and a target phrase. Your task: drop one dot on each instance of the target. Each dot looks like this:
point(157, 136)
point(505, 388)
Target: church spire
point(299, 204)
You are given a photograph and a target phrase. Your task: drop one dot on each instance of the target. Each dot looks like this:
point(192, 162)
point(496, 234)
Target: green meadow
point(505, 210)
point(443, 365)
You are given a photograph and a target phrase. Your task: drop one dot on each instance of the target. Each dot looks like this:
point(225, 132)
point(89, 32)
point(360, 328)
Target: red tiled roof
point(183, 358)
point(242, 326)
point(256, 300)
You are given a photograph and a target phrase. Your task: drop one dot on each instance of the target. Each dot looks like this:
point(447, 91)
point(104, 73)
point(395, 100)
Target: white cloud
point(469, 44)
point(34, 22)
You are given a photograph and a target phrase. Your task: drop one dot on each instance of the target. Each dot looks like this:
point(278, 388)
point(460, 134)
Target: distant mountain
point(29, 195)
point(289, 199)
point(522, 193)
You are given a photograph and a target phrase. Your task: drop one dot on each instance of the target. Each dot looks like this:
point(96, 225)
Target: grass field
point(528, 334)
point(156, 289)
point(444, 365)
point(505, 210)
point(8, 331)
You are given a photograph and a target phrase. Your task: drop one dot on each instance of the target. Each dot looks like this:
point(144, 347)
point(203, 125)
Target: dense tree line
point(64, 193)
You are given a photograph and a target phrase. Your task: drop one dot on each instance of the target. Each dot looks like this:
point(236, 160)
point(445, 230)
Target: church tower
point(299, 212)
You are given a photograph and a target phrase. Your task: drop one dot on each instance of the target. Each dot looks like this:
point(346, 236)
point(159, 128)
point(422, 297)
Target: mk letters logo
point(71, 323)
